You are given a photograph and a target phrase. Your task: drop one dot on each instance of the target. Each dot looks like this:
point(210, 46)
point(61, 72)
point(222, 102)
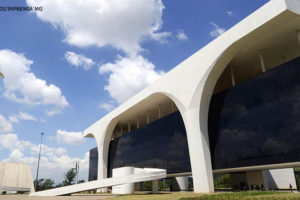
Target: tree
point(44, 184)
point(81, 181)
point(69, 177)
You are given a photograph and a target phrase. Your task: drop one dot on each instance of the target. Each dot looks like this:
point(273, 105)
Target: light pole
point(38, 166)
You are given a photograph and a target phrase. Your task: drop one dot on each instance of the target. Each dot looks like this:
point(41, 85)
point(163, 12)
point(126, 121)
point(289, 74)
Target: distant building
point(15, 177)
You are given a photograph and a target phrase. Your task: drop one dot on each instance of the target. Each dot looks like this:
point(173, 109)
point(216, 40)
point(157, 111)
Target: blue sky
point(67, 66)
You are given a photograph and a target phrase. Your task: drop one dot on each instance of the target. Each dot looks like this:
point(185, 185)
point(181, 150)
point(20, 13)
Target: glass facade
point(254, 123)
point(161, 144)
point(93, 164)
point(258, 121)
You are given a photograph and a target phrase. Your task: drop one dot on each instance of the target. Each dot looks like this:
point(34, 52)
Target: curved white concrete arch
point(192, 83)
point(103, 138)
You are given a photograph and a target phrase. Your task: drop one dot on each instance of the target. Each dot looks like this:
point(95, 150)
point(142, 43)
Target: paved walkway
point(73, 197)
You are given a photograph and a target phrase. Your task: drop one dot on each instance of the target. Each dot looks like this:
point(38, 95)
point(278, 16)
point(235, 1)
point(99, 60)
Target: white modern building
point(260, 43)
point(232, 107)
point(15, 177)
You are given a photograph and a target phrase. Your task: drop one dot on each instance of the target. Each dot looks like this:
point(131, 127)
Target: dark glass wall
point(258, 121)
point(93, 168)
point(254, 123)
point(161, 144)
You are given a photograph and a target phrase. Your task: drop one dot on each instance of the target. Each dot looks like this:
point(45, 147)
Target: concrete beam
point(232, 75)
point(159, 112)
point(262, 62)
point(137, 122)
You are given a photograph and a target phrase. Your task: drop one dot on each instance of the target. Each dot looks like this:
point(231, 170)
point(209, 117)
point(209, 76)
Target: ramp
point(146, 175)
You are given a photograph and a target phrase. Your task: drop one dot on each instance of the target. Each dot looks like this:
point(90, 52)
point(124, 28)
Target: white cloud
point(54, 161)
point(22, 86)
point(217, 30)
point(127, 76)
point(107, 106)
point(181, 35)
point(53, 111)
point(21, 116)
point(11, 141)
point(72, 138)
point(5, 126)
point(230, 13)
point(79, 60)
point(122, 24)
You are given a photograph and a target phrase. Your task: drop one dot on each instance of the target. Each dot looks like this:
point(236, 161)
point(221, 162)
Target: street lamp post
point(38, 166)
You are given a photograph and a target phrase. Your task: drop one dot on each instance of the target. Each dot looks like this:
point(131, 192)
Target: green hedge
point(255, 195)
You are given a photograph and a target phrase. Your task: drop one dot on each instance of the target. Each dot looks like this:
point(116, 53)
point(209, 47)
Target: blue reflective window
point(93, 164)
point(258, 121)
point(161, 144)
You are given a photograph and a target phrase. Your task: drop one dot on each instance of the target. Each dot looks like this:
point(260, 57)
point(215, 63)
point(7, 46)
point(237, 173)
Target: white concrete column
point(148, 119)
point(262, 62)
point(199, 152)
point(155, 186)
point(232, 75)
point(183, 183)
point(279, 178)
point(102, 166)
point(159, 112)
point(137, 122)
point(124, 188)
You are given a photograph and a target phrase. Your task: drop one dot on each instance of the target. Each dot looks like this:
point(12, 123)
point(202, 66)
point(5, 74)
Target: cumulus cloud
point(11, 141)
point(22, 86)
point(107, 106)
point(54, 161)
point(217, 31)
point(230, 13)
point(122, 24)
point(5, 125)
point(127, 76)
point(72, 138)
point(181, 35)
point(21, 116)
point(79, 60)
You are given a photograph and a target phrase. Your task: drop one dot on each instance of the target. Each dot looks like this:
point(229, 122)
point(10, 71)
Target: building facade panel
point(257, 121)
point(160, 144)
point(93, 164)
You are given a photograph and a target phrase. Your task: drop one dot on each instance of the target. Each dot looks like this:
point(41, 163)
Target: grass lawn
point(215, 196)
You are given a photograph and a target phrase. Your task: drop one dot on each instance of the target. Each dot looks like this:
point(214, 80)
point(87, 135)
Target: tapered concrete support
point(102, 167)
point(199, 152)
point(183, 182)
point(155, 186)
